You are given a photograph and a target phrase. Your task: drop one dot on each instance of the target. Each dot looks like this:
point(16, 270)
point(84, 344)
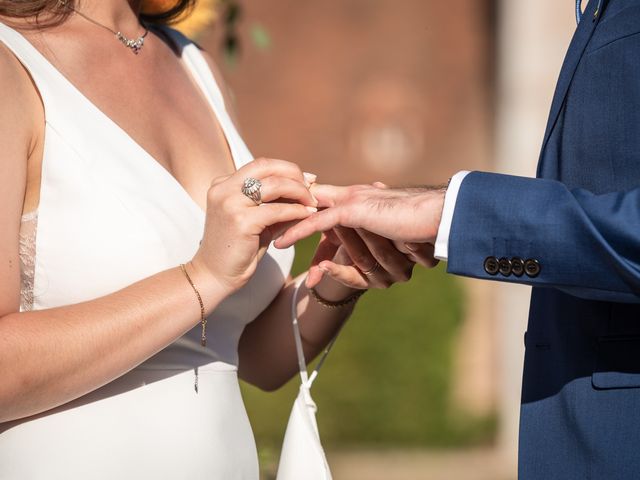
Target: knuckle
point(353, 190)
point(237, 218)
point(358, 189)
point(226, 203)
point(212, 194)
point(341, 215)
point(302, 211)
point(244, 228)
point(271, 186)
point(406, 275)
point(384, 257)
point(359, 198)
point(363, 260)
point(267, 188)
point(261, 162)
point(220, 179)
point(295, 168)
point(298, 187)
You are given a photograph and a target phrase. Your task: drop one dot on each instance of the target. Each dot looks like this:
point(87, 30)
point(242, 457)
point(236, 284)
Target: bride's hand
point(237, 231)
point(360, 260)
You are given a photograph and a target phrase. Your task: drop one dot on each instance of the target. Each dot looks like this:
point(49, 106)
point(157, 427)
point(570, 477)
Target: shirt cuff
point(442, 240)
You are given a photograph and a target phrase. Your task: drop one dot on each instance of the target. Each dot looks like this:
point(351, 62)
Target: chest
point(595, 143)
point(154, 100)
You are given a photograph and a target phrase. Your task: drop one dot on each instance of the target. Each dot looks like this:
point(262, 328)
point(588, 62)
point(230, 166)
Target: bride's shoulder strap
point(49, 82)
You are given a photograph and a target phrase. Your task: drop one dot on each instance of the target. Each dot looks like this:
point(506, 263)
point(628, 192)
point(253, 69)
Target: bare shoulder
point(11, 70)
point(20, 105)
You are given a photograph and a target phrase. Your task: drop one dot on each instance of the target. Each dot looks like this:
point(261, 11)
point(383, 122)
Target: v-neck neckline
point(199, 83)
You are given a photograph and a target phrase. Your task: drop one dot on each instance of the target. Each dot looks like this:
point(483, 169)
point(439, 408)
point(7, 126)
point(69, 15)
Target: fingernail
point(309, 178)
point(312, 209)
point(279, 242)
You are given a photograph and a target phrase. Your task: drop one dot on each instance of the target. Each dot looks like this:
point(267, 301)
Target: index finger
point(262, 168)
point(318, 222)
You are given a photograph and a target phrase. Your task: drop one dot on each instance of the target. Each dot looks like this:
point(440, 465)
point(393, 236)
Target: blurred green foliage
point(387, 382)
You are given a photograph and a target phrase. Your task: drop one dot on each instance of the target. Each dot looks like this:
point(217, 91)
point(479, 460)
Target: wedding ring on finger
point(372, 270)
point(251, 189)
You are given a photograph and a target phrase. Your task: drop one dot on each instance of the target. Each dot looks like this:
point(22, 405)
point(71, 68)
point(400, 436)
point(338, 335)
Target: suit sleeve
point(585, 244)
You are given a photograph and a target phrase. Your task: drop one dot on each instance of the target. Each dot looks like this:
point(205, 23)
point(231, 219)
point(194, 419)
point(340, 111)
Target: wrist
point(211, 289)
point(438, 199)
point(334, 291)
point(430, 207)
point(346, 302)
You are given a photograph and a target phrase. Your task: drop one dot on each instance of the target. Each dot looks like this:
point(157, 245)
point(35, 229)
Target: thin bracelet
point(328, 303)
point(203, 319)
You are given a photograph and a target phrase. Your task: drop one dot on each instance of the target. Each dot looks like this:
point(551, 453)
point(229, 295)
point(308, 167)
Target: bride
point(138, 278)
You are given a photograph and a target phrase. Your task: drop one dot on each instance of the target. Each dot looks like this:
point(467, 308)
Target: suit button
point(517, 266)
point(532, 268)
point(491, 266)
point(504, 266)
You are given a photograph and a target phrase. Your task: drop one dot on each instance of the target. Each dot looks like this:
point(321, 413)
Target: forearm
point(50, 357)
point(584, 244)
point(267, 348)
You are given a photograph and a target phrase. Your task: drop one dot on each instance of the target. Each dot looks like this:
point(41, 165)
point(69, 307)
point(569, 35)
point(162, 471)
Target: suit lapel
point(574, 54)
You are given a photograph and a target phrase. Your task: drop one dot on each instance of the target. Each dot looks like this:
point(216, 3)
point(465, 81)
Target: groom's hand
point(409, 216)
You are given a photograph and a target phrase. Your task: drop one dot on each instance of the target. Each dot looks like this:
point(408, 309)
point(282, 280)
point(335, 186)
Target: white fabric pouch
point(302, 456)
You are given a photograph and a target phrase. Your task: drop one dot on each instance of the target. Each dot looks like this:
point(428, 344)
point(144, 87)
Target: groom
point(573, 234)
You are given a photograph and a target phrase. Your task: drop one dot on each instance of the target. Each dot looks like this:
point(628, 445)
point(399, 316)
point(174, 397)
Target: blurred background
point(424, 382)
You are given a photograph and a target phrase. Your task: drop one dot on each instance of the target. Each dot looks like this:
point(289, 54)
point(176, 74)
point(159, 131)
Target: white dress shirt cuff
point(442, 240)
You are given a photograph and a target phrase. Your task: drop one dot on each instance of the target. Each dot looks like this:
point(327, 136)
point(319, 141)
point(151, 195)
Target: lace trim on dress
point(28, 230)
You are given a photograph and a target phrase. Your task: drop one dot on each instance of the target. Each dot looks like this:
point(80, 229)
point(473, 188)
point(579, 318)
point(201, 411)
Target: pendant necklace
point(134, 44)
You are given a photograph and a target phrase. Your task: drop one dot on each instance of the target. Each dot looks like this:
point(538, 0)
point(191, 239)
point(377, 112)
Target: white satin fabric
point(111, 215)
point(302, 456)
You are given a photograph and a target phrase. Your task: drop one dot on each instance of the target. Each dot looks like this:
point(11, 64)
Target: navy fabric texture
point(580, 414)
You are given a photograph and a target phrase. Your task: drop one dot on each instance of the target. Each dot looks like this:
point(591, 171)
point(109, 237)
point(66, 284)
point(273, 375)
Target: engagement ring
point(251, 188)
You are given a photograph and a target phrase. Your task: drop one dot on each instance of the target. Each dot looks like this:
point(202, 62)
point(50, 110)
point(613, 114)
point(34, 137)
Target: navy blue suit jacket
point(580, 414)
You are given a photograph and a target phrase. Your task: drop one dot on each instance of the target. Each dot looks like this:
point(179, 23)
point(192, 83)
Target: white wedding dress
point(110, 215)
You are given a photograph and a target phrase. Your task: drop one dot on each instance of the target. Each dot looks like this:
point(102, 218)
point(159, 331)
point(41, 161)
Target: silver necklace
point(134, 44)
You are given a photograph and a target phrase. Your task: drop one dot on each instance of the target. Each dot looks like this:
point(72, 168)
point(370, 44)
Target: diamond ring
point(251, 188)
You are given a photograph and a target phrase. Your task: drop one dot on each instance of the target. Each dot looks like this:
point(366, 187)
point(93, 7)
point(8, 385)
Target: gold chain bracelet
point(328, 303)
point(203, 319)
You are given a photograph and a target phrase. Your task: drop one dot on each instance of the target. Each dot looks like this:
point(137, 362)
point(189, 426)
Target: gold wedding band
point(372, 270)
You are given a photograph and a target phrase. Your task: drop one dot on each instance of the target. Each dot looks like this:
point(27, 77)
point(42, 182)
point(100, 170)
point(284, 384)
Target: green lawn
point(387, 381)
